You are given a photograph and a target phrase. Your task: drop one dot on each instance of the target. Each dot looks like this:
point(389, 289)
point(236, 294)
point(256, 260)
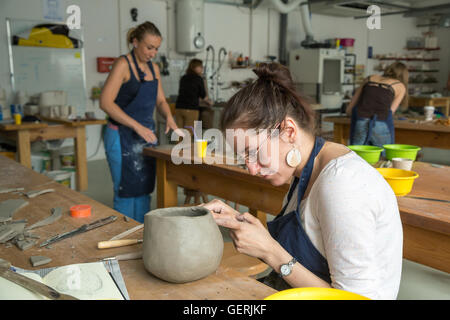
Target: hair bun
point(265, 71)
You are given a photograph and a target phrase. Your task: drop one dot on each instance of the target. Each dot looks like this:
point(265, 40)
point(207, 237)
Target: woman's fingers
point(228, 223)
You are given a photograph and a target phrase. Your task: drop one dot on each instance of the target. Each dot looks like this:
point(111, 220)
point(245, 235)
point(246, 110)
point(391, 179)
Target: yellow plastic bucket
point(401, 181)
point(315, 294)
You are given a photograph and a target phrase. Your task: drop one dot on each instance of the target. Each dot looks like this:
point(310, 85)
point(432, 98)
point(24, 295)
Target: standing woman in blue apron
point(374, 104)
point(339, 225)
point(131, 93)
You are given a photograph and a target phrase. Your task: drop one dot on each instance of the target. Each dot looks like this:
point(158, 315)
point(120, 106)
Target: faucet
point(217, 72)
point(205, 71)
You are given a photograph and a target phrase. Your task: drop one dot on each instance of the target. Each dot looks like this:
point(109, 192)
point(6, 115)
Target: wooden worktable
point(418, 134)
point(226, 283)
point(25, 133)
point(426, 224)
point(443, 102)
point(225, 181)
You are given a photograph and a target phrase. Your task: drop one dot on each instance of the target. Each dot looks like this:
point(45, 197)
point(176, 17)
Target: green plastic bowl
point(401, 151)
point(369, 153)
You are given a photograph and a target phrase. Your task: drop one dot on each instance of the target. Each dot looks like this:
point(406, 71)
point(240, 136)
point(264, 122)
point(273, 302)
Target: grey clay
point(181, 244)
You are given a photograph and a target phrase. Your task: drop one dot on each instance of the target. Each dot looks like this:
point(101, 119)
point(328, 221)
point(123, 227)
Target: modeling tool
point(117, 243)
point(126, 233)
point(31, 284)
point(125, 256)
point(83, 228)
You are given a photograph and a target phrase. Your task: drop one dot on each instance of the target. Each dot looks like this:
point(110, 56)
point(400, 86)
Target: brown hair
point(139, 31)
point(399, 71)
point(267, 101)
point(194, 63)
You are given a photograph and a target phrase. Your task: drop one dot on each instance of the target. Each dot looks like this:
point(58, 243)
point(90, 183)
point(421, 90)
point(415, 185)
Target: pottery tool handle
point(117, 243)
point(126, 256)
point(34, 285)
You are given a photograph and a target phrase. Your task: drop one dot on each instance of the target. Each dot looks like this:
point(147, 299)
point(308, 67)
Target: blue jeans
point(136, 207)
point(380, 133)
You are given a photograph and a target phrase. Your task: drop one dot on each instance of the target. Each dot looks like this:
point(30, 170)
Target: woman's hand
point(222, 213)
point(170, 124)
point(249, 235)
point(252, 238)
point(146, 134)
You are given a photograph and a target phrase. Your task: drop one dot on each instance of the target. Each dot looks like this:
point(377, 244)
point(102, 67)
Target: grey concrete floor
point(418, 281)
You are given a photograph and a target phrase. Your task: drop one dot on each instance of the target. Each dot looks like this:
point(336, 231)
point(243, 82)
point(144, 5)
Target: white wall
point(236, 29)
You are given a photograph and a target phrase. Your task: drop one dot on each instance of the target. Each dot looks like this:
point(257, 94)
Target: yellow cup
point(201, 148)
point(17, 118)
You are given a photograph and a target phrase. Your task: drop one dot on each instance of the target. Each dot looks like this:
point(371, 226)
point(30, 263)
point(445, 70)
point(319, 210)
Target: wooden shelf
point(409, 59)
point(241, 67)
point(423, 49)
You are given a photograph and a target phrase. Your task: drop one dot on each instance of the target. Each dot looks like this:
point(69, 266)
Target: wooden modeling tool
point(128, 232)
point(117, 243)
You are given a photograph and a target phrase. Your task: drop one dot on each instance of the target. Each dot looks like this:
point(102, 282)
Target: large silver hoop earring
point(293, 157)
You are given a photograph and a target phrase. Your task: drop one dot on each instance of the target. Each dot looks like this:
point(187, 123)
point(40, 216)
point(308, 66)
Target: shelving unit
point(422, 79)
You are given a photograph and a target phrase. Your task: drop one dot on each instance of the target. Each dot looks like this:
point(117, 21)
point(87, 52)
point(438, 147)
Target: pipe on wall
point(282, 49)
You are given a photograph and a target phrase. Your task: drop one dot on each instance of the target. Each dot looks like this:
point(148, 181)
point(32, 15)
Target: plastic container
point(41, 162)
point(401, 151)
point(72, 171)
point(347, 42)
point(315, 294)
point(401, 181)
point(369, 153)
point(61, 176)
point(67, 159)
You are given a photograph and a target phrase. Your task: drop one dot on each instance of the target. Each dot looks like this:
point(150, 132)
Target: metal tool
point(125, 256)
point(83, 228)
point(431, 199)
point(30, 284)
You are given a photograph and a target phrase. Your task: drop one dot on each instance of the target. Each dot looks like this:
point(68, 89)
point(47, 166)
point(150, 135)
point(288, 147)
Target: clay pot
point(181, 244)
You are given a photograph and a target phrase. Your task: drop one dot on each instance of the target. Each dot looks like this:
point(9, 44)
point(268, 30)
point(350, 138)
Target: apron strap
point(140, 72)
point(150, 65)
point(369, 130)
point(307, 170)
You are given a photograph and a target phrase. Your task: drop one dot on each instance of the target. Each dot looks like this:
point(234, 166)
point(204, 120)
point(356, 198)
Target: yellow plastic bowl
point(315, 294)
point(401, 181)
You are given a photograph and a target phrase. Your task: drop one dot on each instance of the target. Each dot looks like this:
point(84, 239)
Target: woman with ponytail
point(374, 103)
point(339, 225)
point(131, 93)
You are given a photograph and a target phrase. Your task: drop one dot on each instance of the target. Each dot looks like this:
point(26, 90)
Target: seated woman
point(340, 224)
point(191, 94)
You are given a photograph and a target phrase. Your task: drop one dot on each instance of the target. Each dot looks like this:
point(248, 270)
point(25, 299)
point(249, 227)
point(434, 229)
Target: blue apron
point(389, 122)
point(138, 172)
point(287, 228)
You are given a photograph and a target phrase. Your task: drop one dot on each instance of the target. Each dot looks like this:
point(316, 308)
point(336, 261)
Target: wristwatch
point(286, 269)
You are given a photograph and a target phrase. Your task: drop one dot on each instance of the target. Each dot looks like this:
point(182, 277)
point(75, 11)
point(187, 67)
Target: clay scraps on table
point(16, 232)
point(55, 216)
point(9, 207)
point(11, 190)
point(39, 260)
point(33, 194)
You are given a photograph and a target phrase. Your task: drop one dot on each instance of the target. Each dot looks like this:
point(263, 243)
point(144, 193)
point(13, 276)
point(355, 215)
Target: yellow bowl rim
point(381, 170)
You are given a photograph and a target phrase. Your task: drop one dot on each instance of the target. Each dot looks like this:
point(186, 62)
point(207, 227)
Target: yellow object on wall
point(48, 35)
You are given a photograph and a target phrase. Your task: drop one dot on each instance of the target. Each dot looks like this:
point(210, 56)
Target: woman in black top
point(374, 103)
point(191, 95)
